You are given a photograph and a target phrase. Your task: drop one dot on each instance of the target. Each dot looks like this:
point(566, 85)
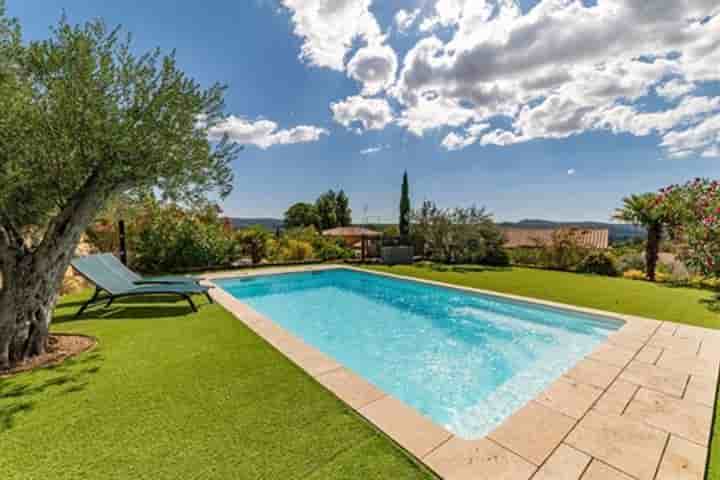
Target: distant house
point(540, 237)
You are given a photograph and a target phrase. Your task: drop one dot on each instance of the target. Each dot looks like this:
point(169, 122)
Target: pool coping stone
point(616, 395)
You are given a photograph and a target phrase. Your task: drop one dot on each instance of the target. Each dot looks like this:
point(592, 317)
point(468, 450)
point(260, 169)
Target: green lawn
point(682, 305)
point(170, 395)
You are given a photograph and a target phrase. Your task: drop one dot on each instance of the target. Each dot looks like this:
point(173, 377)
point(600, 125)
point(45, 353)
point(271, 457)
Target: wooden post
point(362, 248)
point(123, 247)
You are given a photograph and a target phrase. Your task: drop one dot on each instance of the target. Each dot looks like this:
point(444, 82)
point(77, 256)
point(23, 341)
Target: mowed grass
point(682, 305)
point(632, 297)
point(168, 394)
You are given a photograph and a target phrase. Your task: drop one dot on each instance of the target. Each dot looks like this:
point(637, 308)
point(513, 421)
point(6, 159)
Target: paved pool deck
point(638, 407)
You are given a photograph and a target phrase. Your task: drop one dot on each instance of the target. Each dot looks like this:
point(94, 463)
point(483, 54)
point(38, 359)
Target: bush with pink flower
point(694, 212)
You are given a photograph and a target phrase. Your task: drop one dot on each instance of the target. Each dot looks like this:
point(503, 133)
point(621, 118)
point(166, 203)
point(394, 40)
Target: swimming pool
point(467, 361)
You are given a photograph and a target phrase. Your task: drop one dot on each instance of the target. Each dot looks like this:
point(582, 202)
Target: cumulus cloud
point(375, 67)
point(703, 137)
point(455, 141)
point(405, 19)
point(329, 27)
point(264, 133)
point(434, 112)
point(675, 88)
point(561, 69)
point(371, 113)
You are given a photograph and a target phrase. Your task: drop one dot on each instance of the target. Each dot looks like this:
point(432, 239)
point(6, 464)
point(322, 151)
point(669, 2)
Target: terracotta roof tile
point(526, 237)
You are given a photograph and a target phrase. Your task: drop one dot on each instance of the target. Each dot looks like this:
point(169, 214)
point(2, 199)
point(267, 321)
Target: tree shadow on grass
point(139, 308)
point(20, 394)
point(712, 303)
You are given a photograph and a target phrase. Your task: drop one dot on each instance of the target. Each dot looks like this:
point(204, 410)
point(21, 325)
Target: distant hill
point(618, 231)
point(269, 223)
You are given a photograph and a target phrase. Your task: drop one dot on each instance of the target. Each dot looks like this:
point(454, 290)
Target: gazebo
point(354, 237)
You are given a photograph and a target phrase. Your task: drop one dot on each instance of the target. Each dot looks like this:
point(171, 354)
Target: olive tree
point(84, 119)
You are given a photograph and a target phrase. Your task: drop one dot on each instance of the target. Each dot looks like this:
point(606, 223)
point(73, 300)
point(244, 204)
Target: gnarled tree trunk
point(26, 305)
point(32, 275)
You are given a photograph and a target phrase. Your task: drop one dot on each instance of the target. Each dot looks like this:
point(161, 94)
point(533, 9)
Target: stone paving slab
point(566, 463)
point(683, 418)
point(533, 432)
point(683, 460)
point(627, 444)
point(569, 397)
point(638, 407)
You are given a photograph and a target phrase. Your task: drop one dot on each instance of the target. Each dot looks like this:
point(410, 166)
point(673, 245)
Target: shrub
point(525, 256)
point(333, 251)
point(296, 251)
point(254, 242)
point(497, 257)
point(640, 275)
point(632, 261)
point(169, 238)
point(564, 252)
point(635, 275)
point(599, 263)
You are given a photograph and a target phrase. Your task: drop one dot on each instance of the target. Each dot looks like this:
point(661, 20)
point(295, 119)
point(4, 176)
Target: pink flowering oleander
point(693, 210)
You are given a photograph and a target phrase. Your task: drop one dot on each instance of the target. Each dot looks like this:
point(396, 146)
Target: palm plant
point(642, 209)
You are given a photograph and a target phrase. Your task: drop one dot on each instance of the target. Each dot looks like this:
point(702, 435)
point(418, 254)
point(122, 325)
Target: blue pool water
point(466, 361)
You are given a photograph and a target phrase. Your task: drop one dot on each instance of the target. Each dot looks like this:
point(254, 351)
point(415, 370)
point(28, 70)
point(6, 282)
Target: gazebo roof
point(351, 232)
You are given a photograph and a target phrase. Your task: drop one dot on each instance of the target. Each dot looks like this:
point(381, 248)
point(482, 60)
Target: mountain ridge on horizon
point(618, 231)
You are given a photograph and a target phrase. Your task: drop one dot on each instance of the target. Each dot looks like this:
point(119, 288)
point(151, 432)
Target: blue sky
point(571, 154)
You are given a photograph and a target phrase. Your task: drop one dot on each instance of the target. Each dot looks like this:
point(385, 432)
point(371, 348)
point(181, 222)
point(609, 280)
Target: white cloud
point(561, 69)
point(405, 19)
point(329, 27)
point(689, 111)
point(431, 113)
point(375, 66)
point(703, 137)
point(371, 113)
point(374, 150)
point(675, 88)
point(454, 141)
point(264, 133)
point(571, 172)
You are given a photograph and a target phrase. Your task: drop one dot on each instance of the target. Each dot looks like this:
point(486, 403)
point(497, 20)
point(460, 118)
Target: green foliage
point(526, 256)
point(460, 235)
point(297, 250)
point(301, 244)
point(326, 207)
point(631, 261)
point(166, 238)
point(497, 257)
point(330, 210)
point(644, 209)
point(405, 212)
point(254, 242)
point(564, 252)
point(599, 263)
point(82, 114)
point(329, 250)
point(301, 214)
point(343, 213)
point(694, 213)
point(390, 231)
